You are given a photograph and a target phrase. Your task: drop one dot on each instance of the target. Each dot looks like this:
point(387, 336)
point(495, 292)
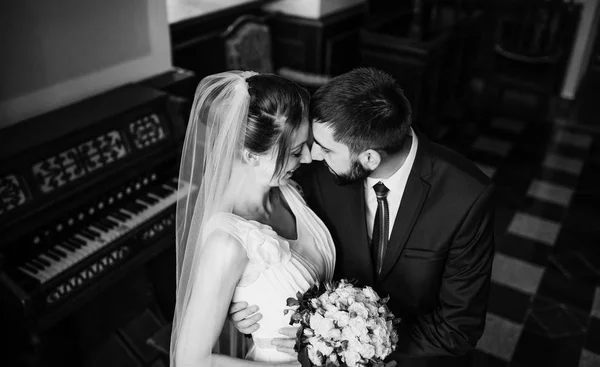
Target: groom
point(409, 218)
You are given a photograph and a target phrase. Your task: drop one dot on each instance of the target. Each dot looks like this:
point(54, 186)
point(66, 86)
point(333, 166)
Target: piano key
point(93, 231)
point(43, 261)
point(160, 193)
point(86, 236)
point(170, 187)
point(31, 268)
point(117, 216)
point(111, 222)
point(143, 203)
point(128, 215)
point(102, 226)
point(38, 264)
point(53, 257)
point(108, 223)
point(76, 241)
point(99, 234)
point(68, 246)
point(58, 252)
point(149, 199)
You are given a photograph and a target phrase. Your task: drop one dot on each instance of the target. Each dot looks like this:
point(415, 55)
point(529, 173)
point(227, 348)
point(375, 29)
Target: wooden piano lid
point(37, 131)
point(47, 160)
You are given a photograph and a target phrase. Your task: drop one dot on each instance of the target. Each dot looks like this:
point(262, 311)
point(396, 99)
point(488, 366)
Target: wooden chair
point(248, 47)
point(528, 47)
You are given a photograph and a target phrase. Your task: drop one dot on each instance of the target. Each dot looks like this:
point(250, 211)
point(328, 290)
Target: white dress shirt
point(396, 183)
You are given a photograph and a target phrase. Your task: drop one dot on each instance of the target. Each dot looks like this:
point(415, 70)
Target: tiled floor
point(544, 306)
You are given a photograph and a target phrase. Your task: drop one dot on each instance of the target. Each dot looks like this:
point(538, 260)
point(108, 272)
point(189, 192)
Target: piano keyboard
point(102, 232)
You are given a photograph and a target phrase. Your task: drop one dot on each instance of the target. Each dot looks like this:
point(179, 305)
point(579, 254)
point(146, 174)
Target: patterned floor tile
point(575, 294)
point(580, 140)
point(575, 265)
point(592, 342)
point(561, 163)
point(486, 169)
point(494, 146)
point(500, 337)
point(507, 124)
point(595, 311)
point(556, 320)
point(536, 350)
point(508, 303)
point(523, 249)
point(543, 209)
point(549, 192)
point(516, 274)
point(563, 178)
point(480, 358)
point(534, 228)
point(589, 359)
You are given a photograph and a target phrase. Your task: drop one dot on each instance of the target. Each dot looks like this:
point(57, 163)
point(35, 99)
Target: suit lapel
point(414, 196)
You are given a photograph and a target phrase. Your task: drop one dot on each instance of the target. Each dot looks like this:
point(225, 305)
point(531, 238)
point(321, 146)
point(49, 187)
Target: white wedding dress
point(278, 268)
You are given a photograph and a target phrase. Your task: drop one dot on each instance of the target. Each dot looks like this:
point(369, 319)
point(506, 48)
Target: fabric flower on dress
point(264, 247)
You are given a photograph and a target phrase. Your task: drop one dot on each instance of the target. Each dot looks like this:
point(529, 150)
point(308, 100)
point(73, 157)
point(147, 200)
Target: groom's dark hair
point(366, 109)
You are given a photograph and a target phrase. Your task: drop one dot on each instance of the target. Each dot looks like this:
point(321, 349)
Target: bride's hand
point(292, 364)
point(244, 318)
point(287, 342)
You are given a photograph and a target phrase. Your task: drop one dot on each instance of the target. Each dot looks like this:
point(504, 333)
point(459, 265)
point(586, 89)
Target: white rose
point(321, 325)
point(370, 293)
point(324, 299)
point(359, 325)
point(322, 347)
point(314, 356)
point(315, 321)
point(333, 334)
point(333, 358)
point(349, 333)
point(367, 351)
point(333, 297)
point(359, 297)
point(343, 319)
point(372, 310)
point(379, 351)
point(351, 358)
point(359, 309)
point(331, 308)
point(343, 293)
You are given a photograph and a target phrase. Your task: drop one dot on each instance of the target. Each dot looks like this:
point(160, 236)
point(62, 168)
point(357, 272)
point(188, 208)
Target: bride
point(244, 233)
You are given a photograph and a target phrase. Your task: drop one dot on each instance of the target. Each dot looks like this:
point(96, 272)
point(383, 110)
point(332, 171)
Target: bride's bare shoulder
point(221, 244)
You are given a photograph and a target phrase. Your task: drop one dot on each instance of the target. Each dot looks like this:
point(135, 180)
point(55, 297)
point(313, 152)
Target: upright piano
point(87, 194)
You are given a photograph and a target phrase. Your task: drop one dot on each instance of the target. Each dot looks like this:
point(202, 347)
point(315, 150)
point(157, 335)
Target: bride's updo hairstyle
point(277, 108)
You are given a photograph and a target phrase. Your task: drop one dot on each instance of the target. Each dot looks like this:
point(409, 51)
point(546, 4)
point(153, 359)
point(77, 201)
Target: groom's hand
point(244, 318)
point(287, 342)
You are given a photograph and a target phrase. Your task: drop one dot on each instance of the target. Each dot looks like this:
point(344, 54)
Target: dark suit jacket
point(437, 267)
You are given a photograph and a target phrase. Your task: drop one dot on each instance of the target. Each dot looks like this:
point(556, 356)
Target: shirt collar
point(402, 173)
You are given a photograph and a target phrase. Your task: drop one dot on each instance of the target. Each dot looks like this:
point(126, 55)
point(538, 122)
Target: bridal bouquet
point(342, 325)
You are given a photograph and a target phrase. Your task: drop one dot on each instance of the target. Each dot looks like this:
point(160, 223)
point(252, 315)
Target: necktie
point(380, 227)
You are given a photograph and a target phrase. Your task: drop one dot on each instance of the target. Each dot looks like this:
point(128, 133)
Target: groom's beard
point(356, 173)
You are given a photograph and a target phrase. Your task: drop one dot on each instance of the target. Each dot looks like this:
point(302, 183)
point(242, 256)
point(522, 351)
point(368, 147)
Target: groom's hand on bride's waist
point(244, 318)
point(287, 341)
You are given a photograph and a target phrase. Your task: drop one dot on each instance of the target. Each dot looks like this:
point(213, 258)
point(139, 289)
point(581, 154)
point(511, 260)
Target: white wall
point(54, 53)
point(312, 9)
point(584, 42)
